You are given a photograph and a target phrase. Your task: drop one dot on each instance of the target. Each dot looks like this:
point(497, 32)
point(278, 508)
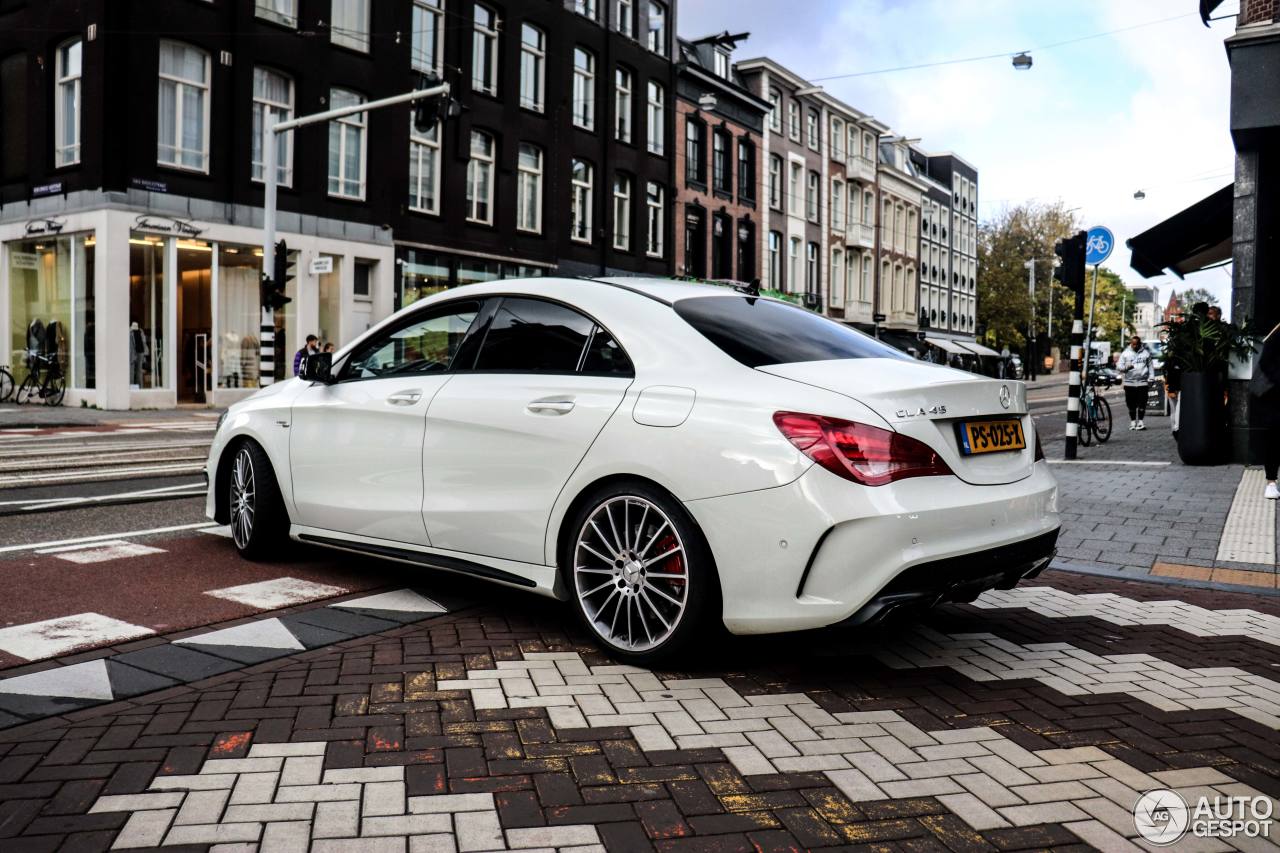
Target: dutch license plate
point(991, 436)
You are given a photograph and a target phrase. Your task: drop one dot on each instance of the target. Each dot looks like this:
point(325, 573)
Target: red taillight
point(1039, 450)
point(865, 454)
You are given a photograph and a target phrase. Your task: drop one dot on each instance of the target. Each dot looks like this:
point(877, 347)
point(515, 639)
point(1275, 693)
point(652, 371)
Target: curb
point(1083, 569)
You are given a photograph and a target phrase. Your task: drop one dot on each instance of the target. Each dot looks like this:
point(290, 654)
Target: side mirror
point(316, 368)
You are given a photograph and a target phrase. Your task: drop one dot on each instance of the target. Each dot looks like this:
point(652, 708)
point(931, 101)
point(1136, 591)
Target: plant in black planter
point(1197, 353)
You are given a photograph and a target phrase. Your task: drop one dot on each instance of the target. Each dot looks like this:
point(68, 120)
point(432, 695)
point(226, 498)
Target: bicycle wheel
point(55, 388)
point(6, 384)
point(1085, 435)
point(28, 388)
point(1102, 420)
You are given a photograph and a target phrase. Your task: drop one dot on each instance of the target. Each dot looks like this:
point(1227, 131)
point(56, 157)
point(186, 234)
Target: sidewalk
point(1131, 507)
point(14, 416)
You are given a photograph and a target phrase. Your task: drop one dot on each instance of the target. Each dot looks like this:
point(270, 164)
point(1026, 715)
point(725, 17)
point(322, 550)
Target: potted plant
point(1197, 352)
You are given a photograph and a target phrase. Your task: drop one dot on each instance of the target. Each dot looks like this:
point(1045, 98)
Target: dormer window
point(722, 64)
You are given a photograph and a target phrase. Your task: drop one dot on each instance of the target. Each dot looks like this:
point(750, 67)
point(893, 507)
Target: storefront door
point(195, 321)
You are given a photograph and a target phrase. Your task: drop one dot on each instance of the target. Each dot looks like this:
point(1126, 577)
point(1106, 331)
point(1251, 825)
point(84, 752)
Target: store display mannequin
point(138, 353)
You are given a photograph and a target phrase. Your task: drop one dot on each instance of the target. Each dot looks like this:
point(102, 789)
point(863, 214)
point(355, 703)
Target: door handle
point(550, 407)
point(405, 398)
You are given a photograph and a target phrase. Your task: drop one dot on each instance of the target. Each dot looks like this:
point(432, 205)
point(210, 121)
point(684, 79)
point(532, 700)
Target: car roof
point(667, 290)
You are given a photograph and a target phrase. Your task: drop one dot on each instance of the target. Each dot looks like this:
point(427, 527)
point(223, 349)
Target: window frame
point(489, 161)
point(180, 83)
point(429, 143)
point(721, 161)
point(837, 204)
point(536, 54)
point(434, 10)
point(62, 80)
point(486, 35)
point(262, 10)
point(489, 310)
point(623, 103)
point(813, 128)
point(775, 182)
point(656, 39)
point(586, 8)
point(775, 109)
point(793, 121)
point(655, 224)
point(264, 134)
point(361, 121)
point(581, 202)
point(527, 177)
point(813, 197)
point(695, 154)
point(746, 171)
point(624, 17)
point(583, 90)
point(656, 118)
point(342, 36)
point(622, 197)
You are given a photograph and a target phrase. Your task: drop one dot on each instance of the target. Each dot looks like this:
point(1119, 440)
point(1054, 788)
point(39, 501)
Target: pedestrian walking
point(1134, 365)
point(310, 348)
point(1265, 388)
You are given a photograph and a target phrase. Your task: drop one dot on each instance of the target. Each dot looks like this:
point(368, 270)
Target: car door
point(503, 438)
point(355, 445)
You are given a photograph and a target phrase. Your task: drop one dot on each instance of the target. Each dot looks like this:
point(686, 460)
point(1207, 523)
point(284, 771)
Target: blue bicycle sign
point(1098, 245)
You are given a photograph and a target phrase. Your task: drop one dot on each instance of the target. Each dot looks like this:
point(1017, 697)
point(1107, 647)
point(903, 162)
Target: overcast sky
point(1090, 123)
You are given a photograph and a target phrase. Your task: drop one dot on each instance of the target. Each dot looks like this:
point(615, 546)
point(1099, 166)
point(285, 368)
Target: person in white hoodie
point(1135, 367)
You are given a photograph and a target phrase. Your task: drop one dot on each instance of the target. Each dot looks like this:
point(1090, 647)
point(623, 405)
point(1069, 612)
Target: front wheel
point(1085, 431)
point(6, 384)
point(1102, 420)
point(259, 523)
point(639, 572)
point(30, 385)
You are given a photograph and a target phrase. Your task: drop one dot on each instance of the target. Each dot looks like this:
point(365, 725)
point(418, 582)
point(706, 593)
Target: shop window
point(362, 287)
point(146, 339)
point(239, 316)
point(51, 307)
point(330, 292)
point(478, 270)
point(422, 274)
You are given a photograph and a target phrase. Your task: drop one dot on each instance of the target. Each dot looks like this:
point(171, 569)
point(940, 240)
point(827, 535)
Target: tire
point(28, 388)
point(1102, 426)
point(6, 385)
point(640, 575)
point(1085, 433)
point(55, 388)
point(259, 522)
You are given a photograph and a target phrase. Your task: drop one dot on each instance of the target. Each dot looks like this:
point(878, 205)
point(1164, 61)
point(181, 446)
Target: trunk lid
point(926, 402)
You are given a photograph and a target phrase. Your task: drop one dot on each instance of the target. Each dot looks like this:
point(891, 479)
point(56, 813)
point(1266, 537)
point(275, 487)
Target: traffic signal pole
point(1072, 253)
point(266, 363)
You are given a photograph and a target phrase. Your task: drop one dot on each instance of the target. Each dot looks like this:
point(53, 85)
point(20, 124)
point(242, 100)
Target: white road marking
point(100, 553)
point(278, 592)
point(1105, 462)
point(104, 537)
point(263, 634)
point(401, 599)
point(192, 490)
point(10, 480)
point(1249, 536)
point(80, 681)
point(53, 637)
point(223, 530)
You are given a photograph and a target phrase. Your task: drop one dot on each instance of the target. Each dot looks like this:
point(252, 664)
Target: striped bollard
point(267, 350)
point(1073, 388)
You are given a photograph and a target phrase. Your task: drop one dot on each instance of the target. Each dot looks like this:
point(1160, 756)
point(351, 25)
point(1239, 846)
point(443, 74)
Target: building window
point(655, 224)
point(775, 260)
point(695, 241)
point(793, 121)
point(584, 89)
point(837, 277)
point(837, 204)
point(868, 146)
point(811, 270)
point(853, 148)
point(656, 123)
point(346, 147)
point(775, 182)
point(721, 246)
point(722, 178)
point(625, 18)
point(533, 59)
point(480, 179)
point(424, 169)
point(622, 104)
point(746, 170)
point(657, 41)
point(864, 288)
point(281, 11)
point(746, 250)
point(529, 188)
point(811, 196)
point(837, 139)
point(775, 110)
point(855, 199)
point(349, 24)
point(814, 133)
point(850, 276)
point(868, 208)
point(183, 119)
point(622, 212)
point(67, 104)
point(484, 51)
point(695, 156)
point(272, 104)
point(721, 67)
point(793, 266)
point(428, 36)
point(585, 8)
point(794, 189)
point(583, 180)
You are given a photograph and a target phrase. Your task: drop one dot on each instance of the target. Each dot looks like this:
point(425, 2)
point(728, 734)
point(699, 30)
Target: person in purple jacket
point(310, 348)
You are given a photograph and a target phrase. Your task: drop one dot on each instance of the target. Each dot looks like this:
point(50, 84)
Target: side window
point(425, 344)
point(604, 355)
point(532, 336)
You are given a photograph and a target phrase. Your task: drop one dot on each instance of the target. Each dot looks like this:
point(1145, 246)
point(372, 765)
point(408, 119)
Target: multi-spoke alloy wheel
point(631, 573)
point(243, 498)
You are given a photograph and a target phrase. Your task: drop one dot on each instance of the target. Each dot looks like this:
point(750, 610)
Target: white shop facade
point(146, 309)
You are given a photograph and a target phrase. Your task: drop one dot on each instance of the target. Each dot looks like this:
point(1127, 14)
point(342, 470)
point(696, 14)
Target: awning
point(948, 346)
point(1186, 242)
point(978, 348)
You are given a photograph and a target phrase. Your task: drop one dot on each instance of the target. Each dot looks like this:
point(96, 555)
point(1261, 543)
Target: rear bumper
point(816, 552)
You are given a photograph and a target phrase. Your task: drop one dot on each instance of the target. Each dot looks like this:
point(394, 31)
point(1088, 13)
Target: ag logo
point(1006, 398)
point(1161, 816)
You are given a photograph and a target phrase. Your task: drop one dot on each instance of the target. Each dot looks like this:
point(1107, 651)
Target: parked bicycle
point(6, 384)
point(1095, 414)
point(44, 381)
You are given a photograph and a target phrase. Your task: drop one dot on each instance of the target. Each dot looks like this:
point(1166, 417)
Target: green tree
point(1113, 297)
point(1192, 295)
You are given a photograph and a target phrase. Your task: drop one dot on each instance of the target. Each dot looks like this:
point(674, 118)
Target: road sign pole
point(1093, 307)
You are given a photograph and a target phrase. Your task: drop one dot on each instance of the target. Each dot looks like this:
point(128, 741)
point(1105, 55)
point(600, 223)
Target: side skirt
point(419, 558)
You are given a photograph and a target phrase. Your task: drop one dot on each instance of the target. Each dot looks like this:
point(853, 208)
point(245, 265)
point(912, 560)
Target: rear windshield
point(761, 331)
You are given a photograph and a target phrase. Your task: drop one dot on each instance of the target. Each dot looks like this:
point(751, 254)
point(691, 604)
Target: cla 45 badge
point(921, 412)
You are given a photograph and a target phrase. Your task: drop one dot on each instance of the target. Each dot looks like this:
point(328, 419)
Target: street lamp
point(1022, 61)
point(1140, 195)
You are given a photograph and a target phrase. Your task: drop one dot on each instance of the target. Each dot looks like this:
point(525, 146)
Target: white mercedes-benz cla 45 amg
point(662, 455)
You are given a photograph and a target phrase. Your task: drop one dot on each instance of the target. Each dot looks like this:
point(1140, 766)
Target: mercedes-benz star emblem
point(1005, 397)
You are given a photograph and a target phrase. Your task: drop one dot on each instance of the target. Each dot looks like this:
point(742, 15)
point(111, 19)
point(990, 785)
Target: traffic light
point(273, 287)
point(1070, 272)
point(424, 109)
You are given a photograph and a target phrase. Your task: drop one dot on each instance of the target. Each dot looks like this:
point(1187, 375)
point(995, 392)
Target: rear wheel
point(1085, 432)
point(6, 384)
point(259, 523)
point(1102, 420)
point(639, 572)
point(55, 388)
point(30, 385)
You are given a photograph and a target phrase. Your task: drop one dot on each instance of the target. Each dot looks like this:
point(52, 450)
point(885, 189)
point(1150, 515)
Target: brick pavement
point(374, 740)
